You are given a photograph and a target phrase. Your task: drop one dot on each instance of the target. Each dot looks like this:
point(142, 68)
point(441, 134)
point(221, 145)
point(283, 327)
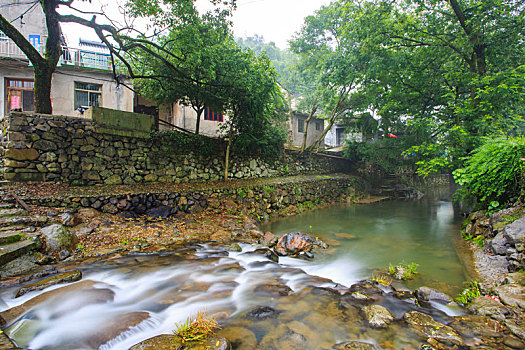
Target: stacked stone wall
point(78, 151)
point(257, 201)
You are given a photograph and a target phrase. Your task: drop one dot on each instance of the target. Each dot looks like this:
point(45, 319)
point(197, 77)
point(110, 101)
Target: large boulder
point(498, 245)
point(57, 241)
point(295, 243)
point(515, 232)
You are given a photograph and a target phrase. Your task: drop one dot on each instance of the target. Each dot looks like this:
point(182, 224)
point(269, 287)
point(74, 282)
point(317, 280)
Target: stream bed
point(260, 304)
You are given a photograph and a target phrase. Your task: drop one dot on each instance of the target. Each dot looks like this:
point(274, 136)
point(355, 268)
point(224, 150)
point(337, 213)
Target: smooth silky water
point(367, 238)
point(163, 290)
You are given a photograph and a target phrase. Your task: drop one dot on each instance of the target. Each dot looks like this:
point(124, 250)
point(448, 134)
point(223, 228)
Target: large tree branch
point(29, 50)
point(460, 15)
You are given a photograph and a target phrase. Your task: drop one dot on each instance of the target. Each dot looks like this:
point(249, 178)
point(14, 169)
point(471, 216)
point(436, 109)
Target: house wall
point(63, 86)
point(313, 133)
point(185, 117)
point(79, 151)
point(33, 21)
point(331, 138)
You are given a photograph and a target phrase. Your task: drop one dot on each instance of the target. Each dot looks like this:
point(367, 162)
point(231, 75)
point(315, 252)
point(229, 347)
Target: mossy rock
point(173, 342)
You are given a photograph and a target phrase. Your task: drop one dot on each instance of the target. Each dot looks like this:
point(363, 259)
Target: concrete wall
point(82, 152)
point(63, 86)
point(313, 133)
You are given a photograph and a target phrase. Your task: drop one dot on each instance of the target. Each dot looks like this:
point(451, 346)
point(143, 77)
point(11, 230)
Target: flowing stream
point(260, 304)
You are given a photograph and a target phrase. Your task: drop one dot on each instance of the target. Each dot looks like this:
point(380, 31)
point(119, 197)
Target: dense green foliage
point(452, 68)
point(494, 174)
point(198, 63)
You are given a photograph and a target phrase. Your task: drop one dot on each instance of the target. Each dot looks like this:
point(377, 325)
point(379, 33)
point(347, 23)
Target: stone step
point(7, 213)
point(14, 250)
point(8, 237)
point(29, 230)
point(7, 205)
point(23, 221)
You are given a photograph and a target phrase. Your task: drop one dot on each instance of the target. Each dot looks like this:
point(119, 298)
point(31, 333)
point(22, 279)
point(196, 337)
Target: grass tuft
point(197, 329)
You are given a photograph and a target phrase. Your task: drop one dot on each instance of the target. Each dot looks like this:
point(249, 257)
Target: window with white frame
point(87, 95)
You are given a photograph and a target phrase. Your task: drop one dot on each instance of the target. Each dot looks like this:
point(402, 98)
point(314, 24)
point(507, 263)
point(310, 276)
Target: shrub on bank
point(493, 175)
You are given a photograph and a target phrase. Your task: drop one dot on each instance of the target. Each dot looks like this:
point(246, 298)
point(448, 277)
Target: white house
point(82, 79)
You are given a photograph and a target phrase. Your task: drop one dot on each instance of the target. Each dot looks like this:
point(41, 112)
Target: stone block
point(22, 154)
point(10, 163)
point(150, 178)
point(16, 136)
point(45, 145)
point(113, 180)
point(24, 177)
point(87, 148)
point(91, 175)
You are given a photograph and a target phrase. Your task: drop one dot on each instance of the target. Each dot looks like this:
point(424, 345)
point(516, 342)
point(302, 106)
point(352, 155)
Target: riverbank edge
point(101, 212)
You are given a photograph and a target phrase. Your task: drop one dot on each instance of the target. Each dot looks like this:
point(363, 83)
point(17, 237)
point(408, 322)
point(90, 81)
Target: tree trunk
point(317, 143)
point(198, 121)
point(227, 158)
point(305, 136)
point(43, 76)
point(333, 116)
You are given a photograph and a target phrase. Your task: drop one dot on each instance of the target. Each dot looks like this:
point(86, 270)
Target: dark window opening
point(211, 115)
point(300, 125)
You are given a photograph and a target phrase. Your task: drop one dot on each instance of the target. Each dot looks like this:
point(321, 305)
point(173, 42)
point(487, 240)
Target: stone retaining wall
point(79, 151)
point(502, 234)
point(257, 201)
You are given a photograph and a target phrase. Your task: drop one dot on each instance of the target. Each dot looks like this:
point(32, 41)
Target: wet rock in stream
point(65, 277)
point(297, 244)
point(426, 326)
point(262, 312)
point(353, 345)
point(377, 316)
point(173, 342)
point(239, 337)
point(273, 290)
point(79, 294)
point(425, 295)
point(266, 252)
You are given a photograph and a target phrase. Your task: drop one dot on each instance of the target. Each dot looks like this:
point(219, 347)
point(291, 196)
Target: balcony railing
point(70, 56)
point(85, 58)
point(9, 49)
